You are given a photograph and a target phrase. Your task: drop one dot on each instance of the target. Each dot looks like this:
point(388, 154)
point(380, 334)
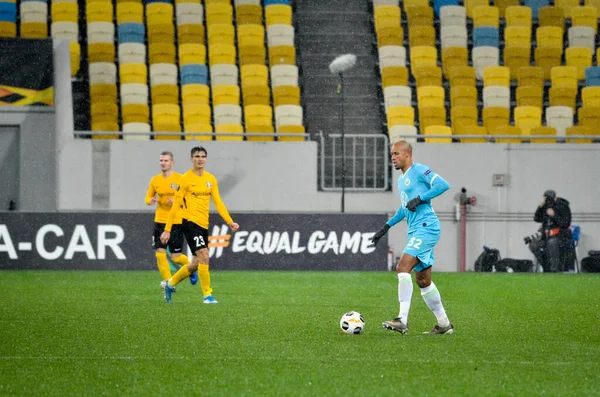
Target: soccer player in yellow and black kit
point(161, 191)
point(196, 188)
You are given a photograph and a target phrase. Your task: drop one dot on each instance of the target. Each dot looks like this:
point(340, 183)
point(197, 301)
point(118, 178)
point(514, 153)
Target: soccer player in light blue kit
point(417, 186)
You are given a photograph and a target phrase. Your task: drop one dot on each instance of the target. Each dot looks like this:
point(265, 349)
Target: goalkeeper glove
point(380, 234)
point(412, 204)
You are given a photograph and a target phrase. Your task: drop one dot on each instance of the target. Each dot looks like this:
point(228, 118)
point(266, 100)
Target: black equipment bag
point(487, 259)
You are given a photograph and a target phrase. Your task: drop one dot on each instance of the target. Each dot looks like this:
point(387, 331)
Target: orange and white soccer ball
point(352, 323)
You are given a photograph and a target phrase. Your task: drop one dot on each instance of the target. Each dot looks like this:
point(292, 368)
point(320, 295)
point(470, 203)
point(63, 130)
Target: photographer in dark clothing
point(555, 216)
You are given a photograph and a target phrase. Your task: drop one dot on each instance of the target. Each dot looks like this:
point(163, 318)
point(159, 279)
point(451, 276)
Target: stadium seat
point(535, 5)
point(135, 113)
point(463, 96)
point(504, 4)
point(453, 16)
point(259, 75)
point(462, 76)
point(428, 76)
point(585, 16)
point(136, 131)
point(104, 72)
point(530, 76)
point(588, 116)
point(132, 53)
point(64, 12)
point(517, 36)
point(506, 133)
point(192, 130)
point(256, 95)
point(224, 75)
point(560, 118)
point(99, 12)
point(297, 130)
point(222, 54)
point(30, 11)
point(496, 76)
point(390, 36)
point(431, 116)
point(192, 54)
point(278, 14)
point(402, 132)
point(495, 116)
point(551, 16)
point(394, 75)
point(134, 93)
point(471, 130)
point(496, 96)
point(485, 36)
point(391, 55)
point(280, 35)
point(190, 34)
point(484, 57)
point(258, 115)
point(438, 130)
point(288, 115)
point(132, 73)
point(564, 77)
point(282, 55)
point(582, 36)
point(196, 113)
point(130, 12)
point(248, 14)
point(470, 5)
point(430, 97)
point(580, 58)
point(438, 4)
point(542, 131)
point(518, 16)
point(165, 94)
point(248, 34)
point(563, 96)
point(421, 15)
point(566, 6)
point(528, 117)
point(103, 92)
point(516, 58)
point(463, 115)
point(253, 54)
point(104, 112)
point(225, 95)
point(101, 52)
point(166, 118)
point(422, 56)
point(421, 36)
point(590, 96)
point(229, 132)
point(453, 57)
point(580, 130)
point(486, 15)
point(161, 53)
point(221, 33)
point(194, 74)
point(189, 13)
point(385, 16)
point(218, 13)
point(548, 58)
point(163, 73)
point(549, 36)
point(105, 127)
point(400, 115)
point(530, 96)
point(286, 95)
point(397, 96)
point(128, 32)
point(453, 36)
point(592, 76)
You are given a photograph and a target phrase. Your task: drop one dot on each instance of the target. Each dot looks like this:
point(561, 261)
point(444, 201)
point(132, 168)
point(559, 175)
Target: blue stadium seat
point(437, 4)
point(8, 12)
point(592, 76)
point(131, 33)
point(535, 5)
point(485, 36)
point(269, 2)
point(194, 74)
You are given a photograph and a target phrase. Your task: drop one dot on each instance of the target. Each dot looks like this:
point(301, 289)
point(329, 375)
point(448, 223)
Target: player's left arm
point(221, 208)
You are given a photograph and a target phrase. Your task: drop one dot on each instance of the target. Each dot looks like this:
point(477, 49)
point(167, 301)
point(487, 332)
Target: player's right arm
point(150, 194)
point(398, 216)
point(177, 203)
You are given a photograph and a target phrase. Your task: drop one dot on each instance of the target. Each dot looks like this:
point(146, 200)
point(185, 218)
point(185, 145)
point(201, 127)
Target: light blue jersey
point(423, 224)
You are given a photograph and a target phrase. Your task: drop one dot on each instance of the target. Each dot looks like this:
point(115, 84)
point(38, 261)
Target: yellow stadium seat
point(528, 117)
point(103, 126)
point(226, 95)
point(195, 94)
point(495, 116)
point(266, 131)
point(421, 36)
point(590, 96)
point(400, 115)
point(221, 54)
point(589, 116)
point(221, 33)
point(8, 29)
point(486, 16)
point(190, 54)
point(580, 130)
point(190, 34)
point(463, 115)
point(470, 5)
point(165, 94)
point(563, 96)
point(551, 16)
point(518, 16)
point(504, 4)
point(431, 116)
point(585, 16)
point(542, 131)
point(248, 14)
point(166, 118)
point(75, 53)
point(530, 96)
point(164, 131)
point(34, 30)
point(286, 95)
point(158, 12)
point(254, 75)
point(248, 34)
point(462, 76)
point(258, 114)
point(550, 36)
point(394, 75)
point(516, 58)
point(580, 58)
point(231, 132)
point(101, 52)
point(133, 73)
point(471, 130)
point(291, 129)
point(135, 113)
point(530, 76)
point(548, 58)
point(219, 13)
point(278, 14)
point(64, 12)
point(506, 131)
point(517, 36)
point(564, 77)
point(282, 55)
point(104, 112)
point(423, 55)
point(390, 36)
point(386, 16)
point(438, 130)
point(496, 76)
point(129, 12)
point(99, 12)
point(161, 33)
point(589, 3)
point(419, 16)
point(161, 52)
point(254, 55)
point(454, 57)
point(190, 129)
point(197, 114)
point(256, 95)
point(103, 93)
point(463, 96)
point(567, 6)
point(429, 97)
point(428, 76)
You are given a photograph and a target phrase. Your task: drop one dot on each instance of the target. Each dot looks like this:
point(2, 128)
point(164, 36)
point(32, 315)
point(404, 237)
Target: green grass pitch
point(277, 334)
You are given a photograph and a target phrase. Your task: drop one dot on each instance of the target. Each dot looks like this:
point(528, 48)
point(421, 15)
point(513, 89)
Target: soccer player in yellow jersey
point(161, 191)
point(196, 188)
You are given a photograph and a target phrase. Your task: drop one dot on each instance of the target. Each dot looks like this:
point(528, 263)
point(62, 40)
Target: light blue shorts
point(420, 244)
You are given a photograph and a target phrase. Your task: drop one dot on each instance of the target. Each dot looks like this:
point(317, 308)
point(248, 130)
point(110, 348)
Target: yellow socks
point(181, 274)
point(163, 265)
point(204, 275)
point(181, 260)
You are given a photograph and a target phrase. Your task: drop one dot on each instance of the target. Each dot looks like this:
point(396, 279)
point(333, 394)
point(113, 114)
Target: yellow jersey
point(164, 189)
point(195, 193)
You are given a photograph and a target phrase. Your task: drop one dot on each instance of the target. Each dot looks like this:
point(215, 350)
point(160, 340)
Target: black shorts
point(175, 242)
point(196, 236)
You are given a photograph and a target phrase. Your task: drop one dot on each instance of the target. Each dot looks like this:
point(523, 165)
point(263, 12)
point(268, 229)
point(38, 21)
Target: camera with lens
point(535, 236)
